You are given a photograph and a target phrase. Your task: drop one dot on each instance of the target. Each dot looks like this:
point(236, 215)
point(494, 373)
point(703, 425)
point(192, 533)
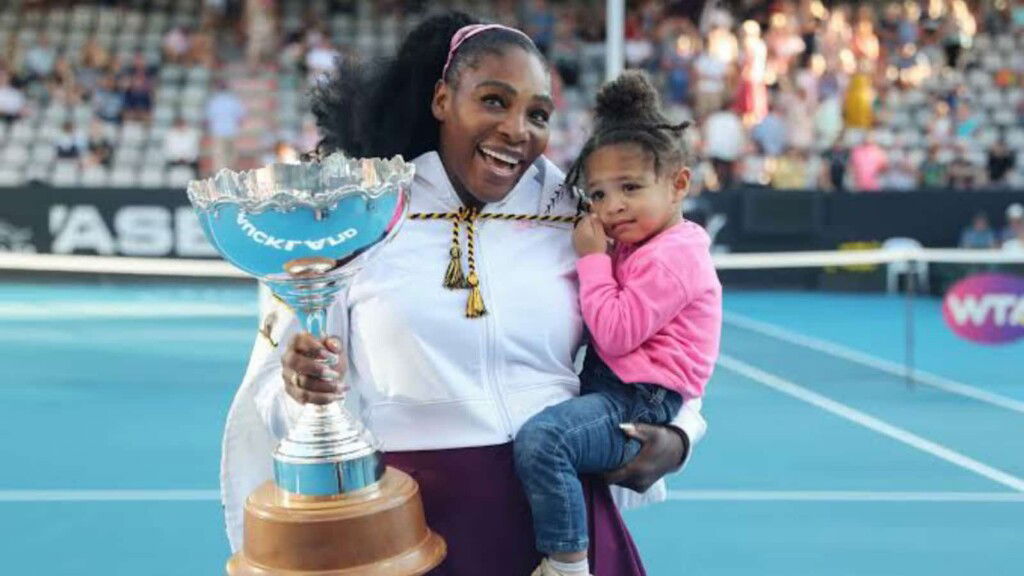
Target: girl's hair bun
point(630, 98)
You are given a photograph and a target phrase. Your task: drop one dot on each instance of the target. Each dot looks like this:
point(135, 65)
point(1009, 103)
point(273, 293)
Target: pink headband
point(467, 32)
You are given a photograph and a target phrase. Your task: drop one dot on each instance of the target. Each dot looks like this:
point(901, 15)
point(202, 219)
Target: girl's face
point(632, 201)
point(494, 123)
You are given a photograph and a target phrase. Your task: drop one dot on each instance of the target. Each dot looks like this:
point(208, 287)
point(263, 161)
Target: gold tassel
point(454, 278)
point(475, 304)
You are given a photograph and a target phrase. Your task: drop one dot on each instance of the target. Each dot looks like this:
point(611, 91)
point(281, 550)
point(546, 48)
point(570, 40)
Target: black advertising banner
point(116, 222)
point(160, 222)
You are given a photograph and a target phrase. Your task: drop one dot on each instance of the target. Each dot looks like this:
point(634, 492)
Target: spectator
point(771, 134)
point(860, 101)
point(828, 122)
point(539, 23)
point(867, 161)
point(710, 77)
point(1015, 244)
point(175, 45)
point(320, 60)
point(40, 59)
point(899, 175)
point(966, 122)
point(963, 174)
point(224, 113)
point(181, 145)
point(260, 31)
point(70, 143)
point(108, 100)
point(62, 84)
point(790, 171)
point(99, 146)
point(1014, 222)
point(12, 100)
point(138, 97)
point(752, 167)
point(933, 172)
point(979, 234)
point(940, 128)
point(837, 159)
point(799, 123)
point(752, 96)
point(723, 143)
point(1001, 161)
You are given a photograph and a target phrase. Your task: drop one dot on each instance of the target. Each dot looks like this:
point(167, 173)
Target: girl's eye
point(540, 117)
point(596, 195)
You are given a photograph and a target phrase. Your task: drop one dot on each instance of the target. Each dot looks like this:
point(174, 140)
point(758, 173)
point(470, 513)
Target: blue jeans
point(582, 436)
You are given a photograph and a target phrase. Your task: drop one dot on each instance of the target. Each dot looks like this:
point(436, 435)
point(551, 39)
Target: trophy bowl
point(305, 230)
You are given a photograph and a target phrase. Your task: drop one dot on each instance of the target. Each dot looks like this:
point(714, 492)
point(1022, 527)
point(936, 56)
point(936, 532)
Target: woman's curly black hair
point(383, 108)
point(629, 112)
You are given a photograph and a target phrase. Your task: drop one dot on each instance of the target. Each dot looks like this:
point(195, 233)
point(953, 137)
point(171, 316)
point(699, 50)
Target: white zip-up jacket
point(422, 375)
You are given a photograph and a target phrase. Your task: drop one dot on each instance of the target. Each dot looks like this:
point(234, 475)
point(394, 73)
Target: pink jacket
point(655, 310)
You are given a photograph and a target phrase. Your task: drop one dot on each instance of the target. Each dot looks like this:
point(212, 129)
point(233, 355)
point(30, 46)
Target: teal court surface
point(820, 459)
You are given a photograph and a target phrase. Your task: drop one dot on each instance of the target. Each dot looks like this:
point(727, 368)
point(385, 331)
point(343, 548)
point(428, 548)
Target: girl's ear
point(442, 100)
point(681, 184)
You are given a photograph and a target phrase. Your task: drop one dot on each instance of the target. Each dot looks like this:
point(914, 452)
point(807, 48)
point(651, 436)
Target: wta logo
point(988, 308)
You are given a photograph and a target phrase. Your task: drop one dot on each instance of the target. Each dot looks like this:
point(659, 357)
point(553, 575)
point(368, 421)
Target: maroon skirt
point(474, 500)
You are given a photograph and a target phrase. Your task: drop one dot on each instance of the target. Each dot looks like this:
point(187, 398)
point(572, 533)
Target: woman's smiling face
point(494, 122)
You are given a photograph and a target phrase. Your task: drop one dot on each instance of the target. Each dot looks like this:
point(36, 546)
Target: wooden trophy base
point(380, 531)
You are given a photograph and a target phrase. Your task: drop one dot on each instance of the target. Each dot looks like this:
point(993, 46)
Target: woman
point(442, 389)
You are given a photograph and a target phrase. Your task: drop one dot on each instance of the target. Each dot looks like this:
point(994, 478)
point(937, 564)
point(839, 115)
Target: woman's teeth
point(500, 159)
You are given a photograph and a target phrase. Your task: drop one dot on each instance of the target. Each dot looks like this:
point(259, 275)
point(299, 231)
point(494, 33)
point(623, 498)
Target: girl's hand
point(312, 369)
point(588, 237)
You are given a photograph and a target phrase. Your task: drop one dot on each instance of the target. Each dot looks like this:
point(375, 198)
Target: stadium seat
point(179, 176)
point(152, 177)
point(65, 173)
point(22, 131)
point(43, 153)
point(122, 177)
point(95, 176)
point(15, 154)
point(11, 176)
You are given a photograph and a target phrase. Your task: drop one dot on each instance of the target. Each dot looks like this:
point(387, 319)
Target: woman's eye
point(630, 187)
point(493, 102)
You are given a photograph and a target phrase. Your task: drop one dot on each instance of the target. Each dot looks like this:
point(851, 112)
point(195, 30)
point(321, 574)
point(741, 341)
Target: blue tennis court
point(820, 459)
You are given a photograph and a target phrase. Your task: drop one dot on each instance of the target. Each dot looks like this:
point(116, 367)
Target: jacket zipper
point(490, 347)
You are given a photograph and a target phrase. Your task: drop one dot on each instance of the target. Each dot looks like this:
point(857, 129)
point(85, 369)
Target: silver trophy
point(305, 230)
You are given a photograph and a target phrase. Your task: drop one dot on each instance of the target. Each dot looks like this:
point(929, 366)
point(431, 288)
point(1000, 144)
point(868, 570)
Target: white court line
point(108, 495)
point(870, 422)
point(127, 310)
point(680, 495)
point(840, 496)
point(839, 351)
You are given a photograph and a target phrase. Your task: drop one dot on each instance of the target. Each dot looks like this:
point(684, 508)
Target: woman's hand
point(588, 237)
point(312, 369)
point(663, 451)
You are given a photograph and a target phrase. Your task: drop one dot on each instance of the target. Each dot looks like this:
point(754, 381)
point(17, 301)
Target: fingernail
point(330, 359)
point(329, 374)
point(334, 344)
point(627, 427)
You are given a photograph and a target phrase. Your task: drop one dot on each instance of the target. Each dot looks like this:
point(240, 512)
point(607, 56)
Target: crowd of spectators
point(796, 94)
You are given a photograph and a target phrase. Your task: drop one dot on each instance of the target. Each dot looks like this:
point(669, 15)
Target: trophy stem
point(327, 452)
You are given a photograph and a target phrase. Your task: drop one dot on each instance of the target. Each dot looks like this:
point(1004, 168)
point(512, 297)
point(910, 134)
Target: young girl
point(653, 307)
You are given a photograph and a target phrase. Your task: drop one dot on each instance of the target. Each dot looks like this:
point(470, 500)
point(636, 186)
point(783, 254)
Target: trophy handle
point(327, 451)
